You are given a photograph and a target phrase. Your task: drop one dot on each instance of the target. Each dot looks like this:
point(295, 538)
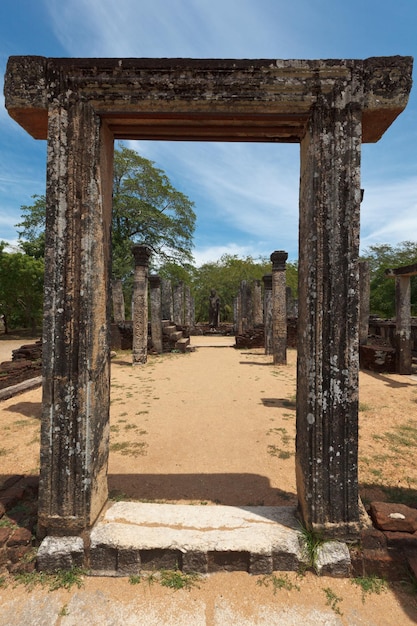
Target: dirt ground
point(217, 426)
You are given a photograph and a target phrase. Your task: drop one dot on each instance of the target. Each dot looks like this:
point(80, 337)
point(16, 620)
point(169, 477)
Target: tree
point(382, 290)
point(21, 290)
point(146, 209)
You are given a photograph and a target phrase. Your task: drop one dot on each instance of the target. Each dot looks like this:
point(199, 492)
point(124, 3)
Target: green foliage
point(21, 290)
point(382, 289)
point(333, 600)
point(311, 540)
point(60, 579)
point(148, 209)
point(225, 276)
point(173, 579)
point(370, 584)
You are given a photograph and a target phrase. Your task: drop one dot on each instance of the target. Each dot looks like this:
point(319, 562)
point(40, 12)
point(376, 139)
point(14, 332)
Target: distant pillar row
point(156, 312)
point(267, 280)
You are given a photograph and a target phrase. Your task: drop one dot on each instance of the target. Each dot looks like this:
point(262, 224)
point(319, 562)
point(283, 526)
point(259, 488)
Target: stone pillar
point(403, 340)
point(76, 339)
point(328, 301)
point(141, 256)
point(156, 312)
point(364, 305)
point(258, 314)
point(187, 306)
point(118, 301)
point(268, 313)
point(246, 315)
point(279, 307)
point(179, 304)
point(167, 301)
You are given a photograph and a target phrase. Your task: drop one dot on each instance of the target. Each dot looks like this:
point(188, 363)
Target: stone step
point(176, 335)
point(182, 344)
point(135, 537)
point(168, 330)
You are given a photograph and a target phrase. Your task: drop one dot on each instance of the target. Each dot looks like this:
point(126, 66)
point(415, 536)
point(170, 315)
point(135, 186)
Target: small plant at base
point(332, 600)
point(60, 579)
point(311, 540)
point(64, 611)
point(175, 579)
point(135, 579)
point(282, 582)
point(370, 584)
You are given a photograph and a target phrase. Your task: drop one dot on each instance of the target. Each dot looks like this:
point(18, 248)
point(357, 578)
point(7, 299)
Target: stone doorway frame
point(81, 105)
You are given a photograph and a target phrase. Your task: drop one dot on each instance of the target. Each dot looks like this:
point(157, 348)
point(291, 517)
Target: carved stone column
point(167, 300)
point(268, 313)
point(328, 359)
point(118, 301)
point(76, 387)
point(364, 295)
point(279, 307)
point(179, 304)
point(403, 340)
point(156, 312)
point(140, 304)
point(258, 316)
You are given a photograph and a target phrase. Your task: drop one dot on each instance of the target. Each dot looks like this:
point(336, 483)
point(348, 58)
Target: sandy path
point(218, 425)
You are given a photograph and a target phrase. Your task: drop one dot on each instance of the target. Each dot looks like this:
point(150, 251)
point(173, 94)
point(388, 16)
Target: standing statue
point(214, 309)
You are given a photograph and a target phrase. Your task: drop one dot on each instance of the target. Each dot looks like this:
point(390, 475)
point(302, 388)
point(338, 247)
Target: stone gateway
point(80, 106)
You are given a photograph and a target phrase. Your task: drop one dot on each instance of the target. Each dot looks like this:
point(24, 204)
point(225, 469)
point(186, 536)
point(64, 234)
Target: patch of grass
point(370, 584)
point(333, 600)
point(60, 579)
point(3, 582)
point(363, 406)
point(141, 412)
point(64, 611)
point(118, 496)
point(277, 582)
point(175, 579)
point(7, 523)
point(135, 579)
point(276, 451)
point(130, 448)
point(3, 451)
point(311, 541)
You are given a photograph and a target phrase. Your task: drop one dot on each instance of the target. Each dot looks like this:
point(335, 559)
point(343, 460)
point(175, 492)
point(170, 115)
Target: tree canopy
point(21, 290)
point(382, 290)
point(146, 209)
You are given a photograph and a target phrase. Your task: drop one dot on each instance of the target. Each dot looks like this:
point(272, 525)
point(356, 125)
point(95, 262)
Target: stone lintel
point(406, 270)
point(189, 99)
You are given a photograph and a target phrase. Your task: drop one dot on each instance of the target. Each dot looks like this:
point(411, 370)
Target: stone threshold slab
point(134, 537)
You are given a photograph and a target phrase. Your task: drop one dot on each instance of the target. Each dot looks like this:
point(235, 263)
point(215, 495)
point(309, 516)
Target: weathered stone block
point(159, 558)
point(128, 561)
point(194, 561)
point(261, 564)
point(103, 560)
point(373, 539)
point(228, 561)
point(20, 537)
point(396, 517)
point(333, 559)
point(60, 553)
point(284, 561)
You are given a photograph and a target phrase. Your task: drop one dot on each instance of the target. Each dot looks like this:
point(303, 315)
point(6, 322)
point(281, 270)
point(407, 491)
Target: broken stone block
point(333, 559)
point(261, 564)
point(396, 517)
point(60, 553)
point(194, 561)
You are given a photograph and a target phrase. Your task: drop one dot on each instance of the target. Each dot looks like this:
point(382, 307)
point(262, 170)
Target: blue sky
point(246, 195)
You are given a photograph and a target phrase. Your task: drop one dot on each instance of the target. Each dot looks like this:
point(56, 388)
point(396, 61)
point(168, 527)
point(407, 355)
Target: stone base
point(133, 537)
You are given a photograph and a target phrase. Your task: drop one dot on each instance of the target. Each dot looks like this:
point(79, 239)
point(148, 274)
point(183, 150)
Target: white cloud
point(389, 212)
point(213, 253)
